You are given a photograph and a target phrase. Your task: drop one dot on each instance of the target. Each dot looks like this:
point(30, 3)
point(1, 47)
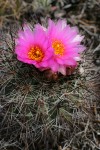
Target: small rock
point(81, 70)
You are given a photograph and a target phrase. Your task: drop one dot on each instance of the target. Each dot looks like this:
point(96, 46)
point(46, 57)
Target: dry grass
point(51, 115)
point(15, 10)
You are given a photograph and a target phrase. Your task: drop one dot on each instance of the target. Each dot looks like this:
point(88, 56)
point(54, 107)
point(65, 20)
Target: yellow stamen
point(58, 47)
point(36, 53)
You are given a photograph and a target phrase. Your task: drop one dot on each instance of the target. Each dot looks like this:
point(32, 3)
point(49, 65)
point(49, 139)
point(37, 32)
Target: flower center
point(58, 47)
point(36, 53)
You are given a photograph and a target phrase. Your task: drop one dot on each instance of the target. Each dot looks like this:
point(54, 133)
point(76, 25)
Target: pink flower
point(32, 47)
point(57, 48)
point(65, 46)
